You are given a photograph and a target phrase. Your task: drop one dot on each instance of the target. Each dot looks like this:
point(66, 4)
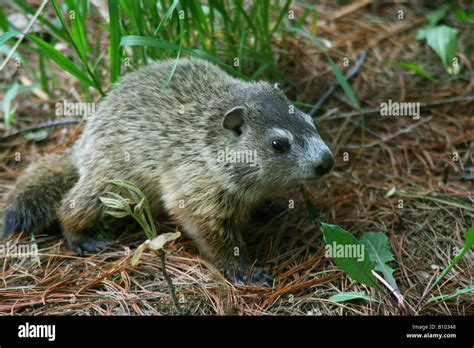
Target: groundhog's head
point(283, 139)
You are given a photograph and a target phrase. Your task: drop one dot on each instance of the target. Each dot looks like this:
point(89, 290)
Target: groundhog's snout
point(325, 164)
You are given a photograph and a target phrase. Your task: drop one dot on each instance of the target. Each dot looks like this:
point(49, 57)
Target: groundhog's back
point(147, 124)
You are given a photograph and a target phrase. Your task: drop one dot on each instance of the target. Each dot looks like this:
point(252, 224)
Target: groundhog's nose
point(327, 162)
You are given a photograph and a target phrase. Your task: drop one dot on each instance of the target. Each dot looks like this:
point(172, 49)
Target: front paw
point(91, 246)
point(245, 276)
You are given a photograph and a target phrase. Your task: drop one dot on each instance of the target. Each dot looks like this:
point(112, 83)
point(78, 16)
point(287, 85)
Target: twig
point(168, 280)
point(345, 10)
point(44, 125)
point(350, 74)
point(375, 110)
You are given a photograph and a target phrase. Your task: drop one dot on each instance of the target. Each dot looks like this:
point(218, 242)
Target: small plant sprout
point(136, 205)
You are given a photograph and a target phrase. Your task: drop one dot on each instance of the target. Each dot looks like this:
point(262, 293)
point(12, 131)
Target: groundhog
point(206, 147)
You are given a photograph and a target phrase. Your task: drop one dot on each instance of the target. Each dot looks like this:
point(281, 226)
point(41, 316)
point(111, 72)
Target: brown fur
point(166, 141)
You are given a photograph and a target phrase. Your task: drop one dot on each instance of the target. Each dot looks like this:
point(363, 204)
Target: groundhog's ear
point(234, 119)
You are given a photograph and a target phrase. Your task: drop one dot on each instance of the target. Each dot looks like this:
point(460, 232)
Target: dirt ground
point(401, 158)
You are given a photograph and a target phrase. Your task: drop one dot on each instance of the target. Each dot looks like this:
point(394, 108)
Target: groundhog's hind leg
point(78, 210)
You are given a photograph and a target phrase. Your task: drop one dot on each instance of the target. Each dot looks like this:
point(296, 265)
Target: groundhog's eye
point(281, 145)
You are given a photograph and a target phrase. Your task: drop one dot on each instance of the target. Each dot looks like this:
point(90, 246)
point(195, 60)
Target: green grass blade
point(335, 69)
point(76, 34)
point(8, 35)
point(8, 110)
point(58, 33)
point(283, 13)
point(79, 51)
point(61, 60)
point(469, 236)
point(167, 15)
point(115, 35)
point(413, 67)
point(44, 81)
point(4, 25)
point(130, 40)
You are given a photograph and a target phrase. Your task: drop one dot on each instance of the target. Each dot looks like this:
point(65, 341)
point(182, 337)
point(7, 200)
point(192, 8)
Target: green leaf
point(431, 20)
point(61, 60)
point(342, 247)
point(8, 35)
point(117, 214)
point(442, 39)
point(138, 253)
point(455, 294)
point(115, 35)
point(36, 135)
point(351, 295)
point(115, 203)
point(131, 40)
point(464, 16)
point(8, 111)
point(379, 252)
point(413, 67)
point(335, 69)
point(469, 236)
point(167, 15)
point(145, 217)
point(437, 198)
point(434, 17)
point(4, 25)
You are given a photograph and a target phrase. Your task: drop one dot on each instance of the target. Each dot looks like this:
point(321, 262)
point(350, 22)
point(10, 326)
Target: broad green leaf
point(378, 247)
point(351, 295)
point(413, 67)
point(442, 39)
point(343, 247)
point(431, 20)
point(434, 17)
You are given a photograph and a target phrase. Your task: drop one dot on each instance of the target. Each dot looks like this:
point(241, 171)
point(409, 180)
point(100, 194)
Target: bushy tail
point(31, 206)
